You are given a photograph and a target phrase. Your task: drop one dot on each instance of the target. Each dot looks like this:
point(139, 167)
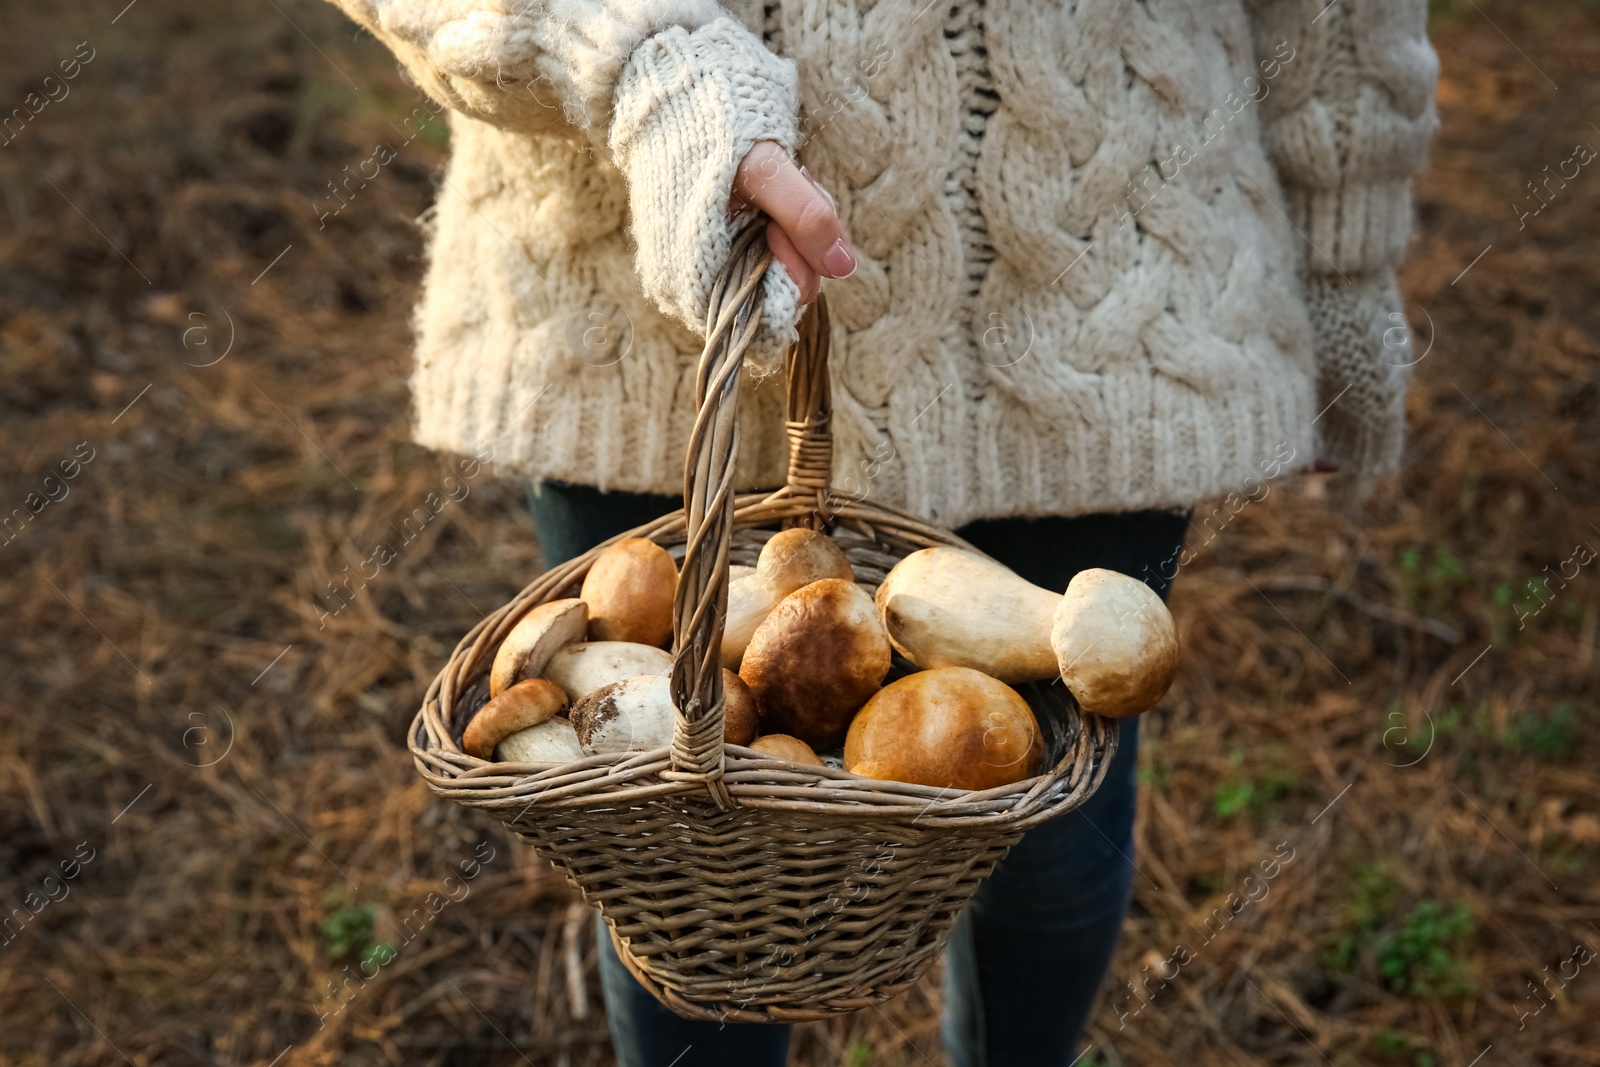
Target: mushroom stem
point(944, 607)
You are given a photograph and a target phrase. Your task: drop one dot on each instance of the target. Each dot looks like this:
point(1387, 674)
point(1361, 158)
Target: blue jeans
point(1029, 952)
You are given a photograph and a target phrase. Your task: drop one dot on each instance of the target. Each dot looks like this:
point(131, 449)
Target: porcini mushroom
point(534, 639)
point(950, 727)
point(789, 560)
point(525, 704)
point(815, 660)
point(787, 748)
point(552, 741)
point(629, 590)
point(749, 602)
point(945, 607)
point(1115, 642)
point(583, 667)
point(635, 715)
point(1110, 638)
point(741, 720)
point(799, 556)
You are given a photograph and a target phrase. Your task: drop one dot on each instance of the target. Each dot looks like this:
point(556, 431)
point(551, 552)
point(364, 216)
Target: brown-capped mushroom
point(635, 715)
point(629, 590)
point(789, 560)
point(741, 720)
point(787, 748)
point(552, 741)
point(534, 639)
point(797, 557)
point(815, 660)
point(583, 667)
point(528, 703)
point(1116, 643)
point(950, 727)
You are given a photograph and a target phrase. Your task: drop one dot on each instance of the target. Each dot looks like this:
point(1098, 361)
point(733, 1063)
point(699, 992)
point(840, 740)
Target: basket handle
point(700, 604)
point(808, 417)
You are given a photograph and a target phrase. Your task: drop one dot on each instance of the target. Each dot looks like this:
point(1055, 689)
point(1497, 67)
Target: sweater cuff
point(689, 105)
point(1358, 228)
point(1364, 358)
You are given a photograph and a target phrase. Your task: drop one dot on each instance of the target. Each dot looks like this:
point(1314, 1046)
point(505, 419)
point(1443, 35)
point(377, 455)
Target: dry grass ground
point(1400, 701)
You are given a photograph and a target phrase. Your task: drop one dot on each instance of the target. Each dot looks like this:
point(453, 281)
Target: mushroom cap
point(635, 715)
point(750, 601)
point(534, 639)
point(947, 607)
point(1115, 643)
point(629, 590)
point(583, 667)
point(741, 719)
point(552, 741)
point(528, 703)
point(950, 727)
point(797, 557)
point(788, 748)
point(815, 660)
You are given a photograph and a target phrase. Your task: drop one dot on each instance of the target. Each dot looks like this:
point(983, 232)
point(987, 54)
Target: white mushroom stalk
point(552, 741)
point(581, 668)
point(947, 608)
point(630, 716)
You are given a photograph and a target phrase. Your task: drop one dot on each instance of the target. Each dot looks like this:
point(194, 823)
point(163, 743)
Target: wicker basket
point(739, 887)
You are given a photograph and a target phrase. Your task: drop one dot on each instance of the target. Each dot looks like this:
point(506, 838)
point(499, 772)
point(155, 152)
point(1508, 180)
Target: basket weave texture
point(740, 887)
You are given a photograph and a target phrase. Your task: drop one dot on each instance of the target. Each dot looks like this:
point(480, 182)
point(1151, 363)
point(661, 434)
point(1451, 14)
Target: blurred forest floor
point(215, 773)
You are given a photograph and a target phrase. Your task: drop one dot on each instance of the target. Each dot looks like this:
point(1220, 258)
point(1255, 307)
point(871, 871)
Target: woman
point(1105, 260)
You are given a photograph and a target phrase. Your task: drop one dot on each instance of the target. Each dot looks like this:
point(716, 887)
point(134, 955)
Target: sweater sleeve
point(1347, 126)
point(673, 92)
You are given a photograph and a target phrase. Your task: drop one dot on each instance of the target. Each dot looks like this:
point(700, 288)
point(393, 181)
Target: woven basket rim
point(753, 779)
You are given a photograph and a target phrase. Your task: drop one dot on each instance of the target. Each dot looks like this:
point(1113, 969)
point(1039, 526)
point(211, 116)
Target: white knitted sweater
point(1113, 254)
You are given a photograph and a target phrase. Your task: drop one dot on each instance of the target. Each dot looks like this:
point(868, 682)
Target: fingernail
point(808, 176)
point(839, 261)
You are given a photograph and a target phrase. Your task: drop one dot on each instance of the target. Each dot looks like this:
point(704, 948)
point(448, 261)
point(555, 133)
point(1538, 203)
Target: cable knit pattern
point(1350, 124)
point(1080, 284)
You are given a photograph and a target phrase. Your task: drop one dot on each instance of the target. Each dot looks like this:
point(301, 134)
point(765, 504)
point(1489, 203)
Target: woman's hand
point(804, 231)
